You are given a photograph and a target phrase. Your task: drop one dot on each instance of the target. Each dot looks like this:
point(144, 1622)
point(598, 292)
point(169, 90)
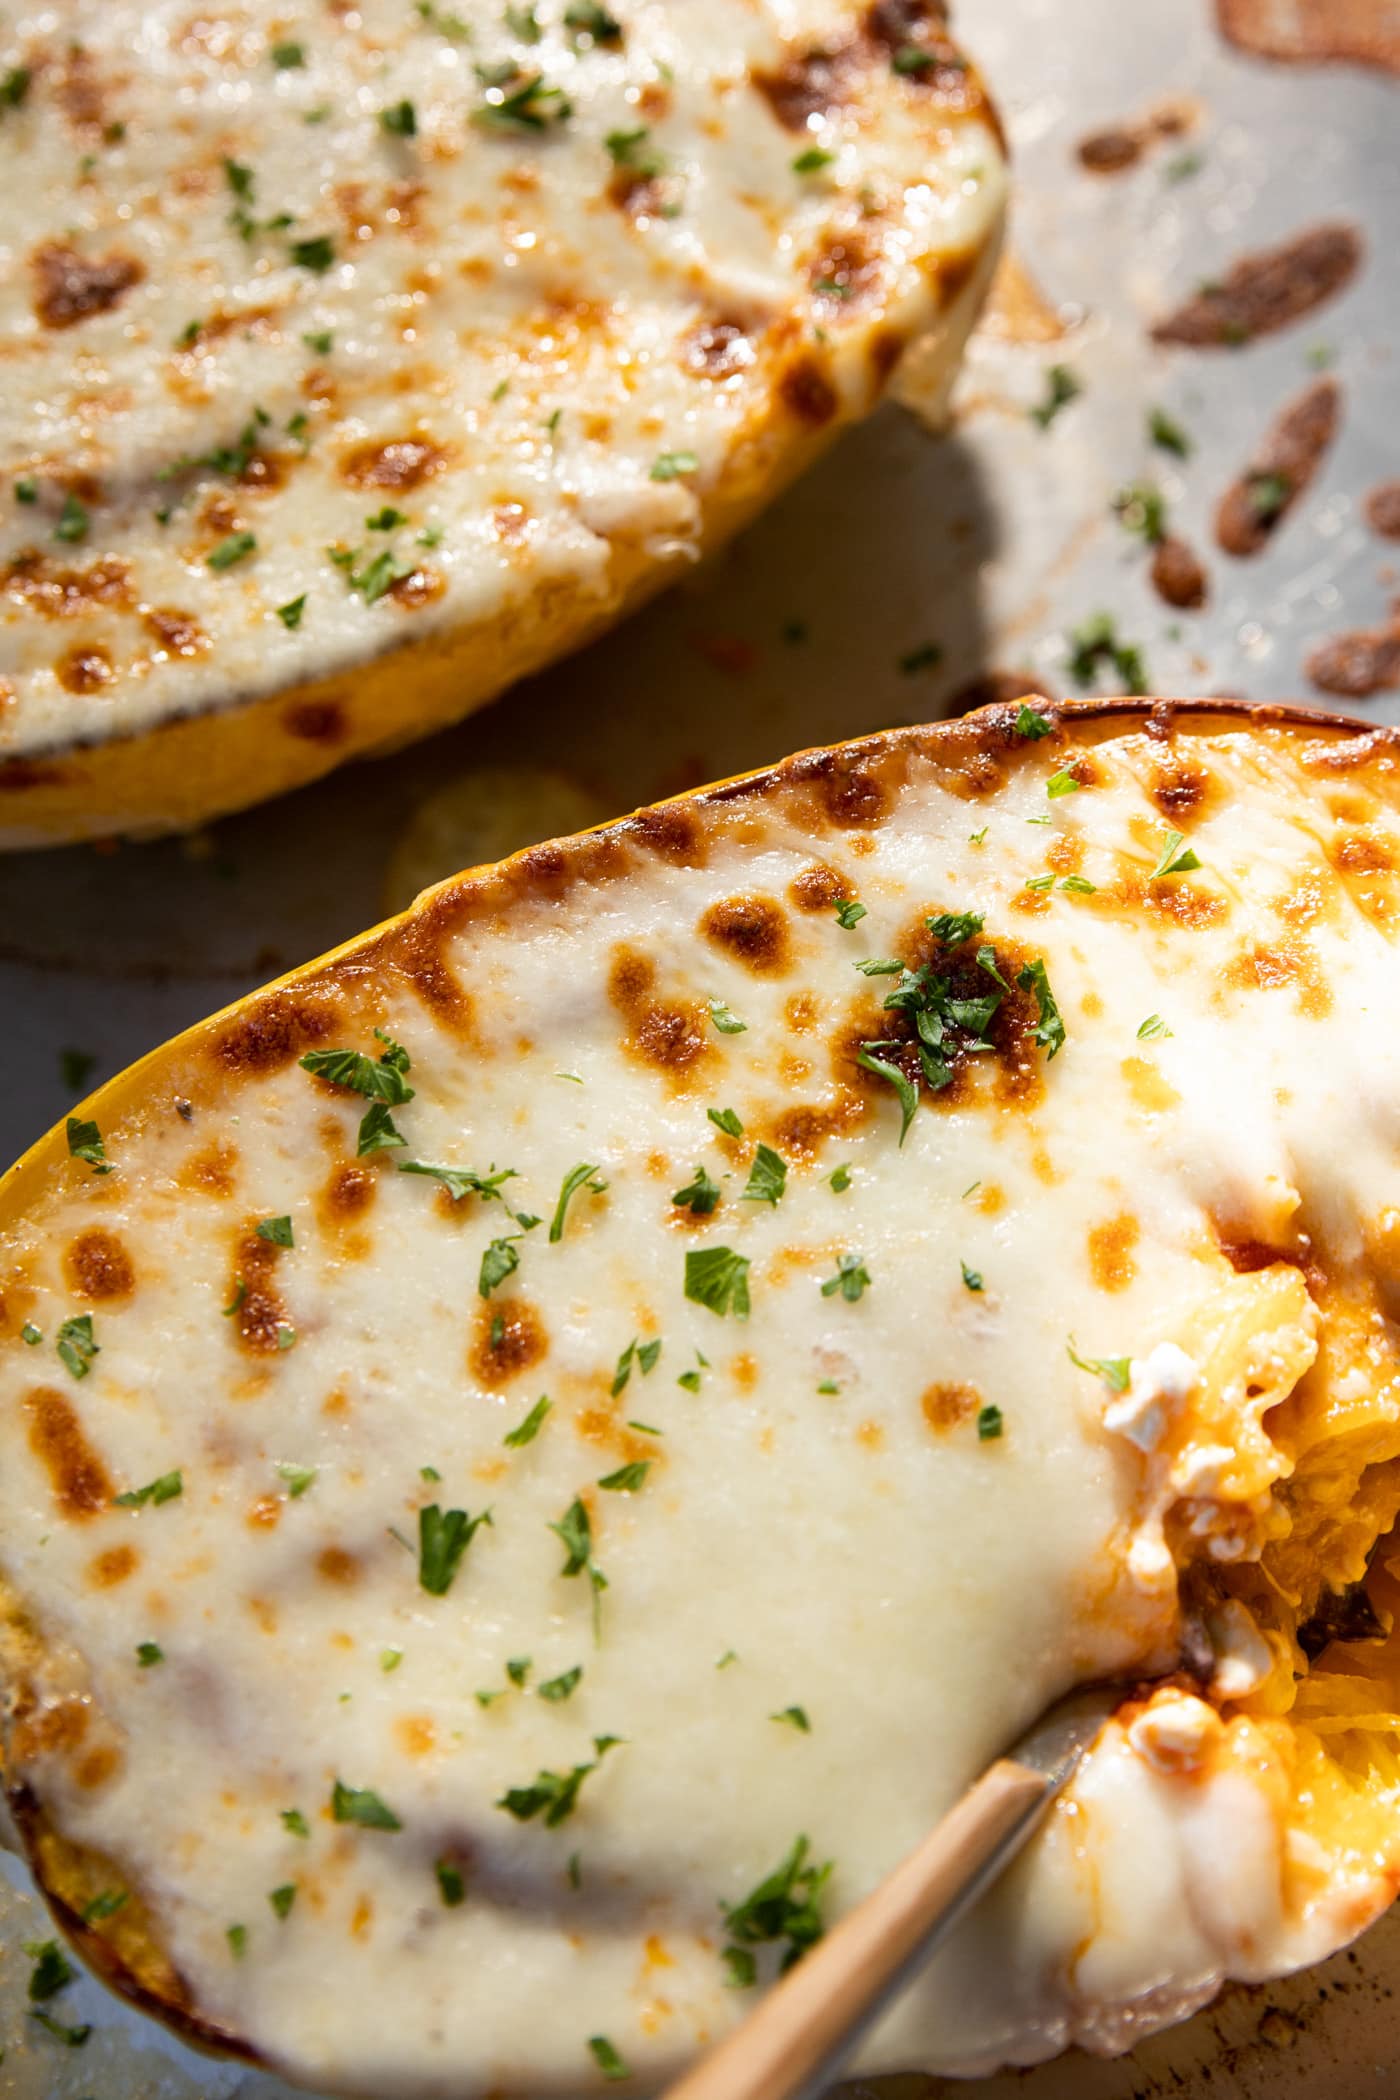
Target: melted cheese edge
point(821, 1525)
point(536, 354)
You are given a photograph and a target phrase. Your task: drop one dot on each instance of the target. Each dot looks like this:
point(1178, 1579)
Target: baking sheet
point(903, 570)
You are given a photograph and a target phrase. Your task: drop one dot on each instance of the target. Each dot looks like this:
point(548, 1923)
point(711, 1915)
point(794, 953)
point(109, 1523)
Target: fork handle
point(795, 2037)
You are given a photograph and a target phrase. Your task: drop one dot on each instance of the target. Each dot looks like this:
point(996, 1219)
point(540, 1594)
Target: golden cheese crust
point(418, 350)
point(964, 1125)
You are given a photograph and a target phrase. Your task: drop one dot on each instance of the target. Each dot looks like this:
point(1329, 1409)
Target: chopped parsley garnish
point(699, 1196)
point(14, 87)
point(451, 1883)
point(518, 1669)
point(443, 1537)
point(1040, 882)
point(316, 253)
point(294, 1821)
point(556, 1689)
point(691, 1379)
point(718, 1278)
point(77, 1346)
point(52, 1972)
point(585, 1175)
point(588, 18)
point(1095, 642)
point(149, 1653)
point(168, 1488)
point(236, 547)
point(530, 107)
point(74, 2037)
point(1167, 434)
point(1174, 861)
point(290, 613)
point(879, 966)
point(498, 1262)
point(767, 1177)
point(812, 160)
point(525, 1432)
point(606, 2057)
point(1049, 1030)
point(955, 927)
point(375, 578)
point(577, 1533)
point(283, 1898)
point(1268, 496)
point(828, 1385)
point(386, 519)
point(400, 120)
point(72, 526)
point(971, 1277)
point(1079, 886)
point(31, 1334)
point(278, 1230)
point(389, 1659)
point(26, 489)
point(903, 1085)
point(852, 1279)
point(354, 1804)
point(849, 912)
point(378, 1131)
point(840, 1180)
point(726, 1022)
point(1152, 1029)
point(926, 657)
point(554, 1795)
point(286, 57)
point(627, 1479)
point(85, 1143)
point(1031, 723)
point(105, 1906)
point(726, 1119)
point(1062, 783)
point(1061, 387)
point(237, 1936)
point(794, 1717)
point(1141, 508)
point(380, 1080)
point(669, 466)
point(785, 1907)
point(1114, 1370)
point(643, 1354)
point(989, 1423)
point(461, 1182)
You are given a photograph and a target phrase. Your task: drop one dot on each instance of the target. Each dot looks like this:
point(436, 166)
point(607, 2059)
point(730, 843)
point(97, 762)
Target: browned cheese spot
point(1180, 788)
point(850, 795)
point(1314, 32)
point(69, 287)
point(846, 273)
point(717, 348)
point(393, 463)
point(1383, 510)
point(272, 1031)
point(116, 1565)
point(213, 1171)
point(1111, 1245)
point(258, 1314)
point(1266, 291)
point(1271, 968)
point(1178, 575)
point(99, 1266)
point(508, 1337)
point(416, 1734)
point(802, 1011)
point(98, 1767)
point(947, 1407)
point(668, 1035)
point(265, 1514)
point(79, 1479)
point(84, 669)
point(818, 888)
point(316, 721)
point(422, 586)
point(418, 950)
point(334, 1564)
point(1254, 506)
point(810, 83)
point(177, 633)
point(1359, 854)
point(348, 1194)
point(753, 930)
point(670, 831)
point(805, 389)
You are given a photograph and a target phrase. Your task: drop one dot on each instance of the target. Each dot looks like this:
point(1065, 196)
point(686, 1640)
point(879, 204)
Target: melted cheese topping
point(322, 337)
point(856, 1512)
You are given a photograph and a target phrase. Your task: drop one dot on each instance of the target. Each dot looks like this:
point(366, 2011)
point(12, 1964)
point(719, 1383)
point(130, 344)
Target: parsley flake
point(237, 1937)
point(1031, 723)
point(726, 1119)
point(236, 547)
point(852, 1279)
point(290, 613)
point(294, 1821)
point(989, 1424)
point(794, 1717)
point(553, 1795)
point(529, 107)
point(1061, 387)
point(840, 1180)
point(725, 1021)
point(525, 1432)
point(767, 1177)
point(1153, 1029)
point(812, 160)
point(1095, 643)
point(168, 1488)
point(52, 1972)
point(1062, 783)
point(353, 1804)
point(1174, 860)
point(31, 1334)
point(669, 466)
point(1114, 1370)
point(606, 2057)
point(443, 1537)
point(85, 1143)
point(971, 1277)
point(451, 1883)
point(699, 1196)
point(627, 1479)
point(1049, 1030)
point(286, 57)
point(72, 526)
point(644, 1354)
point(557, 1689)
point(784, 1908)
point(585, 1175)
point(400, 120)
point(149, 1653)
point(1167, 434)
point(277, 1230)
point(718, 1278)
point(903, 1085)
point(105, 1905)
point(77, 1346)
point(849, 912)
point(315, 253)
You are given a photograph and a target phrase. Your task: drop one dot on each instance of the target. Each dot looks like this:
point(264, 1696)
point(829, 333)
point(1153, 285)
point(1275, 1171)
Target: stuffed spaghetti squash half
point(357, 366)
point(539, 1452)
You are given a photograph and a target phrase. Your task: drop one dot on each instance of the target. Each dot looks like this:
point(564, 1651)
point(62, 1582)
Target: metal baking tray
point(896, 582)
